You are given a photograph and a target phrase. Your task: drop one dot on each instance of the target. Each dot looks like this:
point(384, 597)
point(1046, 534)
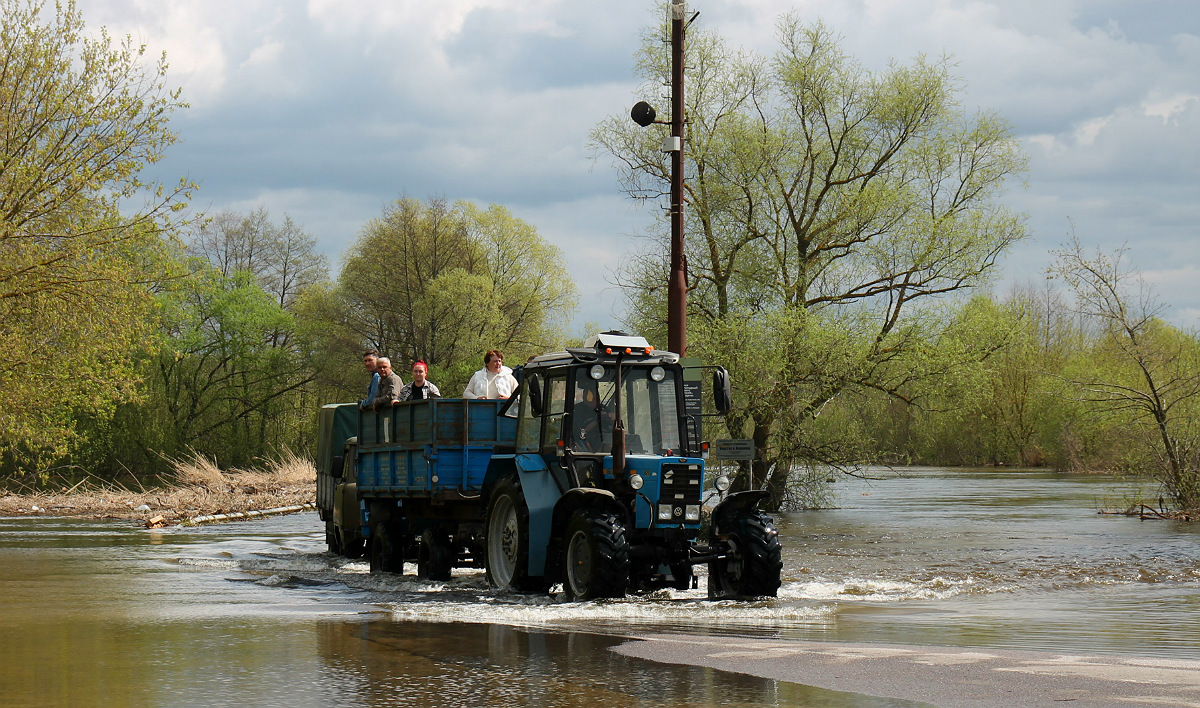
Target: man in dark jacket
point(370, 361)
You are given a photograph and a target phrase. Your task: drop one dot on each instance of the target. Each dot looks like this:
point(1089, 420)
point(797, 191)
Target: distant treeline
point(841, 224)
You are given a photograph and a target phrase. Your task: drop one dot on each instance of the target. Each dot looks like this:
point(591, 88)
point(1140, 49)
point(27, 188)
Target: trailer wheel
point(351, 544)
point(387, 555)
point(435, 558)
point(332, 539)
point(506, 545)
point(595, 556)
point(754, 560)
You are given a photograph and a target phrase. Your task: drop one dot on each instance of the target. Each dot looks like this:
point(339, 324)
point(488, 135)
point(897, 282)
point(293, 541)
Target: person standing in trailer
point(494, 380)
point(370, 361)
point(420, 387)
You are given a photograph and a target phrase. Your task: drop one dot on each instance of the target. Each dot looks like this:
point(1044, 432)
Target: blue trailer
point(591, 476)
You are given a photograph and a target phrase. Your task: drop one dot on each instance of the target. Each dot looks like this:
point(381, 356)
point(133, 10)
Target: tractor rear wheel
point(595, 556)
point(506, 544)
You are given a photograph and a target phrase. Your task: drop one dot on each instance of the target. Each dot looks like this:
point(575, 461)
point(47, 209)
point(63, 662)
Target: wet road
point(961, 581)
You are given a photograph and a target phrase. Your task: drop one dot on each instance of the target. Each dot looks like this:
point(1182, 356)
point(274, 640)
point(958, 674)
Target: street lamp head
point(643, 113)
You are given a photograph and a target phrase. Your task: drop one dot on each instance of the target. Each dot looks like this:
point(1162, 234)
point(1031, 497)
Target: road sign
point(734, 449)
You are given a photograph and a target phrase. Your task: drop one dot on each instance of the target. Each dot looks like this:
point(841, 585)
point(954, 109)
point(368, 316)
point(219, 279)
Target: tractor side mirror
point(721, 395)
point(536, 402)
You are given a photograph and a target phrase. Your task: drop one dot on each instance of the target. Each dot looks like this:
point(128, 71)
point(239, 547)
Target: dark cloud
point(1141, 22)
point(576, 50)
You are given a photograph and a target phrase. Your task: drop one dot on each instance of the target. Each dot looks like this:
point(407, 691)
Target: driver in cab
point(592, 420)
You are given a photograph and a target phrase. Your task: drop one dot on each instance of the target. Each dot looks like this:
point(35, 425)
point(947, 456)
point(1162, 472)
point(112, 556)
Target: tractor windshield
point(648, 408)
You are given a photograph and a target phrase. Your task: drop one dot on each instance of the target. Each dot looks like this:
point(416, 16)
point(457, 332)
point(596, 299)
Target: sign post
point(736, 450)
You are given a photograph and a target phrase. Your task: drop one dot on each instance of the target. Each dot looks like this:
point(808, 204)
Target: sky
point(329, 110)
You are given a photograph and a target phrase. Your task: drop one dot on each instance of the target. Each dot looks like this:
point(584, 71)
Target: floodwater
point(257, 613)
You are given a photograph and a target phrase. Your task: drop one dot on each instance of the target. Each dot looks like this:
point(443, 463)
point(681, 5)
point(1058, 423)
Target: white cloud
point(437, 21)
point(1087, 131)
point(1185, 276)
point(1169, 109)
point(264, 54)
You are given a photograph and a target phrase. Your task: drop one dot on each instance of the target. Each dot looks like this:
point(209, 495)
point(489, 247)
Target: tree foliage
point(444, 283)
point(81, 233)
point(229, 376)
point(1141, 370)
point(823, 193)
point(281, 258)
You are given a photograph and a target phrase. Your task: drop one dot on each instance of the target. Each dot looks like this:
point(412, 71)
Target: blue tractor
point(592, 476)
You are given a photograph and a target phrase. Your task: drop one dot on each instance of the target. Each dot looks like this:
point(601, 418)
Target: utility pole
point(677, 284)
point(644, 115)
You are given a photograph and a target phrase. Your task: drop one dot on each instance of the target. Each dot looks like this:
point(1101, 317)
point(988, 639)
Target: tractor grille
point(681, 484)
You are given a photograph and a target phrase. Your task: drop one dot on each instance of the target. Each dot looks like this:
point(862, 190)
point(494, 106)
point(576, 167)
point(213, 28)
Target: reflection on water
point(406, 663)
point(100, 614)
point(364, 663)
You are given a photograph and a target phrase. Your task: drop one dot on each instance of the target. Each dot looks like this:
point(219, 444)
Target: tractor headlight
point(658, 374)
point(664, 512)
point(636, 481)
point(721, 483)
point(597, 371)
point(693, 512)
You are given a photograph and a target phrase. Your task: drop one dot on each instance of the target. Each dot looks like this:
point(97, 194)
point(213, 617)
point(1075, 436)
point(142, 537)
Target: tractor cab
point(588, 409)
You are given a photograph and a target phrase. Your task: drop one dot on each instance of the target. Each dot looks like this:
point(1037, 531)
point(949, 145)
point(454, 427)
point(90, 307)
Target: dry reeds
point(290, 468)
point(198, 471)
point(201, 488)
point(285, 469)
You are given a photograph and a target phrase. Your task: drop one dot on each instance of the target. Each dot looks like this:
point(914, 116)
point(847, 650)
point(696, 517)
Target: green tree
point(229, 375)
point(849, 199)
point(81, 233)
point(282, 258)
point(221, 380)
point(444, 283)
point(1010, 410)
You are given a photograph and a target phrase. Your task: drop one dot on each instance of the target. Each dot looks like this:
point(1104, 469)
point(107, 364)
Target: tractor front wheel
point(595, 556)
point(753, 560)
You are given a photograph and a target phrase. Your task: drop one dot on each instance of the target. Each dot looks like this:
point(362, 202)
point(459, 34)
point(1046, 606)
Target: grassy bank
point(200, 488)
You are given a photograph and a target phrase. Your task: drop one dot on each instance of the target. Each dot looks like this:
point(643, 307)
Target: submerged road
point(944, 677)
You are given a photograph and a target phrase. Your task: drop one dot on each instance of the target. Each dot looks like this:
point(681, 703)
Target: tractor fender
point(499, 467)
point(580, 497)
point(540, 493)
point(729, 507)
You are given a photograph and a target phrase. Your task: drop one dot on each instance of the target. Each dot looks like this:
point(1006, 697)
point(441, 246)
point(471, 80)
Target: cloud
point(265, 54)
point(1169, 109)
